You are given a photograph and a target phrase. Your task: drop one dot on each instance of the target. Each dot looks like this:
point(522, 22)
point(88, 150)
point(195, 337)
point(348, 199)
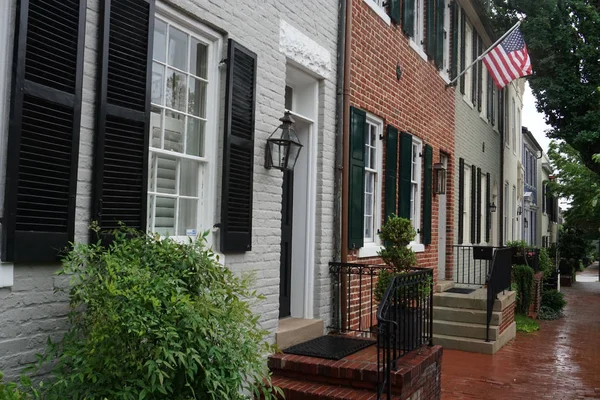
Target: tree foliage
point(563, 39)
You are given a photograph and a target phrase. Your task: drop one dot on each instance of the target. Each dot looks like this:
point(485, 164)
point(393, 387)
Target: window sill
point(445, 77)
point(379, 11)
point(467, 101)
point(418, 48)
point(369, 250)
point(417, 247)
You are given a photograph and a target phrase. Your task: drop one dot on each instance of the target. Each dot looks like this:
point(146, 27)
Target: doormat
point(330, 347)
point(460, 290)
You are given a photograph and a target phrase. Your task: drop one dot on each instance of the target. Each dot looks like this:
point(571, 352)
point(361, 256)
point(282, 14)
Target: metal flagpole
point(484, 53)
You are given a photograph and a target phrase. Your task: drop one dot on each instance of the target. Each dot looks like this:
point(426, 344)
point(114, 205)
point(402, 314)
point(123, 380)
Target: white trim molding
point(304, 51)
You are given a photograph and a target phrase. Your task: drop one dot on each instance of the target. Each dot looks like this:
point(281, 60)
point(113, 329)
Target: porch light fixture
point(525, 223)
point(493, 207)
point(283, 146)
point(519, 210)
point(439, 177)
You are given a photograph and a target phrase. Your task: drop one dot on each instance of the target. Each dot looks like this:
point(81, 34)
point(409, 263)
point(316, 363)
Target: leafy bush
point(554, 300)
point(11, 391)
point(546, 264)
point(548, 314)
point(517, 244)
point(526, 324)
point(523, 278)
point(155, 319)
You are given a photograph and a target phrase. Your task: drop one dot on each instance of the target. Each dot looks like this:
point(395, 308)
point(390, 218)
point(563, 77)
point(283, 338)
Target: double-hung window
point(182, 133)
point(415, 187)
point(468, 43)
point(373, 182)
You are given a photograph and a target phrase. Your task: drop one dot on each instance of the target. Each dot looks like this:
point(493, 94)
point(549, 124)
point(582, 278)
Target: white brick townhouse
point(156, 114)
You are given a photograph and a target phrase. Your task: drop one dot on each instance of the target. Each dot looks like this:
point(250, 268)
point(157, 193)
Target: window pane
point(158, 83)
point(166, 174)
point(178, 49)
point(188, 216)
point(368, 204)
point(176, 90)
point(188, 181)
point(198, 59)
point(368, 227)
point(195, 137)
point(164, 216)
point(174, 129)
point(197, 99)
point(160, 41)
point(156, 126)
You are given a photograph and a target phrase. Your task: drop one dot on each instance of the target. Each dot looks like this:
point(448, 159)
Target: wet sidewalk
point(560, 361)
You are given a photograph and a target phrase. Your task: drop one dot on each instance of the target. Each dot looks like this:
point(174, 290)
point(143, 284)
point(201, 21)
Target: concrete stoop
point(459, 321)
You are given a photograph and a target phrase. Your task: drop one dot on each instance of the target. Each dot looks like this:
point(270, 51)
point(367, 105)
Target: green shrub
point(523, 278)
point(155, 319)
point(554, 300)
point(548, 314)
point(517, 244)
point(526, 324)
point(11, 391)
point(546, 264)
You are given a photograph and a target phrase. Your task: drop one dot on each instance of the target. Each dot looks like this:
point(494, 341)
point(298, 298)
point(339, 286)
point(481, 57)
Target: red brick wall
point(419, 103)
point(508, 317)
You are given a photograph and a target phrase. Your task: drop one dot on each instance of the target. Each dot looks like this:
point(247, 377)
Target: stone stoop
point(459, 321)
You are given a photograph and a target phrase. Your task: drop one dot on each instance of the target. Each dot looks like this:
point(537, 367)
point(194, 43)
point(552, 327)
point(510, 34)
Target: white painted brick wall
point(29, 311)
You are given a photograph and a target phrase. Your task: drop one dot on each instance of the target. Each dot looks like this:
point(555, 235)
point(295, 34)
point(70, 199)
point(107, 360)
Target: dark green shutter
point(501, 113)
point(430, 28)
point(405, 186)
point(395, 11)
point(490, 99)
point(474, 190)
point(479, 74)
point(356, 192)
point(427, 195)
point(238, 150)
point(439, 33)
point(391, 170)
point(488, 213)
point(461, 199)
point(478, 228)
point(463, 51)
point(43, 137)
point(474, 69)
point(454, 43)
point(408, 17)
point(123, 111)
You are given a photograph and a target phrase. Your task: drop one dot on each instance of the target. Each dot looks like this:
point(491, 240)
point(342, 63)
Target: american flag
point(509, 60)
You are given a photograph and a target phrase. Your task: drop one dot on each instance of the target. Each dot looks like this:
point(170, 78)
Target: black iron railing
point(354, 309)
point(471, 263)
point(405, 323)
point(498, 281)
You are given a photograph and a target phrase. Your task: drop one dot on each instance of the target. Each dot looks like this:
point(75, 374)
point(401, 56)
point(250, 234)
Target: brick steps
point(298, 389)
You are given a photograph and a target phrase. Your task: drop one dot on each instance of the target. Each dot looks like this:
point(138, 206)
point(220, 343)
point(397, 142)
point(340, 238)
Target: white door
point(442, 228)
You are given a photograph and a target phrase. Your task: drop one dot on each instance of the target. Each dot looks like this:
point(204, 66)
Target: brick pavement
point(560, 361)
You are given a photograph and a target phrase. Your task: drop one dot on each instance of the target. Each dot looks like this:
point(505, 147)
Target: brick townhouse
point(157, 114)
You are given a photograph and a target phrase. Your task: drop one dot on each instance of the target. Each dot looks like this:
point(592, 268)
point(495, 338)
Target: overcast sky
point(533, 120)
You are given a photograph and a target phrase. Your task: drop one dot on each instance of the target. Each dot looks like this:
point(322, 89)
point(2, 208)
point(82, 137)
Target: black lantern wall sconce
point(519, 210)
point(493, 207)
point(283, 146)
point(525, 223)
point(439, 178)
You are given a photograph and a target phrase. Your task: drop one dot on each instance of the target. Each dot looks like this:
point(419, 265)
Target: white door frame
point(442, 234)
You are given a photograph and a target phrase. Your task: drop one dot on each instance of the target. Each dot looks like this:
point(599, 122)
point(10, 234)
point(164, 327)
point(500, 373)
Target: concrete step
point(442, 286)
point(298, 389)
point(292, 331)
point(475, 345)
point(465, 315)
point(473, 301)
point(464, 329)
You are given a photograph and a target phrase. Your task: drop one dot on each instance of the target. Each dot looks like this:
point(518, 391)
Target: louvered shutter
point(474, 70)
point(490, 98)
point(430, 28)
point(404, 176)
point(488, 213)
point(408, 17)
point(479, 74)
point(474, 190)
point(501, 112)
point(478, 222)
point(238, 150)
point(463, 50)
point(454, 44)
point(123, 112)
point(427, 194)
point(461, 199)
point(391, 170)
point(394, 11)
point(43, 141)
point(439, 33)
point(356, 192)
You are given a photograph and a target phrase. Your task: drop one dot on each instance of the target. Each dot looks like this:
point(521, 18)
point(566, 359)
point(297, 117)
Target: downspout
point(343, 131)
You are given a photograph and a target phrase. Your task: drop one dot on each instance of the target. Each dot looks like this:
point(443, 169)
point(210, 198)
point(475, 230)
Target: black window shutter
point(404, 181)
point(461, 199)
point(463, 50)
point(488, 213)
point(474, 70)
point(439, 33)
point(500, 112)
point(427, 195)
point(43, 141)
point(408, 17)
point(391, 170)
point(490, 99)
point(430, 28)
point(474, 190)
point(454, 43)
point(238, 150)
point(478, 228)
point(479, 74)
point(394, 11)
point(123, 114)
point(356, 192)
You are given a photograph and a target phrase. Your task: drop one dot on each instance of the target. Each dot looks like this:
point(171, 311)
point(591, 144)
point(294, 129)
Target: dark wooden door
point(285, 269)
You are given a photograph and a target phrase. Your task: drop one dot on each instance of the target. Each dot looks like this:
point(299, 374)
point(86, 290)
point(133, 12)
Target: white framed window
point(417, 41)
point(445, 72)
point(466, 222)
point(506, 200)
point(415, 187)
point(181, 193)
point(514, 213)
point(373, 186)
point(379, 6)
point(484, 208)
point(514, 126)
point(468, 60)
point(484, 92)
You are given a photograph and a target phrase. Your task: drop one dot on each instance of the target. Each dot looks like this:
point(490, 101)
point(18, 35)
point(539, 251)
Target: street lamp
point(283, 146)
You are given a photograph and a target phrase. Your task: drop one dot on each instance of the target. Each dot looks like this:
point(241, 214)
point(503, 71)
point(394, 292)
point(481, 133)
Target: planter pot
point(410, 334)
